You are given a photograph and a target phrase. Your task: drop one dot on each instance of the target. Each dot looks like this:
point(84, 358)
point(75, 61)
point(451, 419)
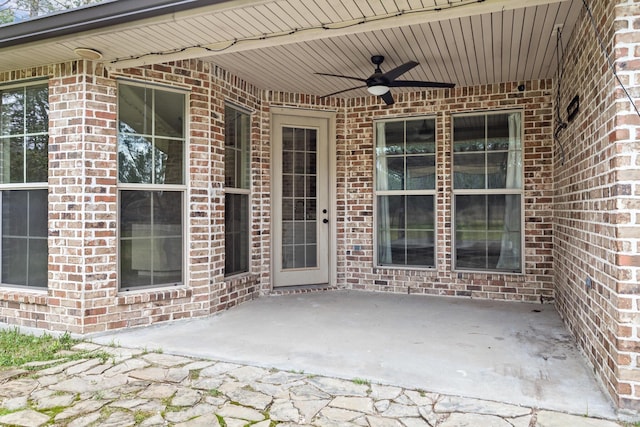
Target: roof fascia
point(93, 17)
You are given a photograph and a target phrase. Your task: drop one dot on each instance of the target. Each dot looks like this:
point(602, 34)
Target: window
point(236, 199)
point(487, 185)
point(405, 192)
point(151, 158)
point(24, 122)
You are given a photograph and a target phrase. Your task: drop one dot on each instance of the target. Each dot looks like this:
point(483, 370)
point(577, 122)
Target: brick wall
point(354, 181)
point(597, 198)
point(82, 197)
point(55, 308)
point(83, 291)
point(207, 291)
point(626, 170)
point(229, 88)
point(83, 294)
point(355, 189)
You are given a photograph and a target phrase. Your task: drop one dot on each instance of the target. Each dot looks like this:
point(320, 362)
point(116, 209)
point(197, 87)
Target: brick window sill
point(240, 278)
point(24, 295)
point(153, 295)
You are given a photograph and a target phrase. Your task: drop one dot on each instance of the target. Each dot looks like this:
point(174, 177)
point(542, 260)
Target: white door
point(300, 201)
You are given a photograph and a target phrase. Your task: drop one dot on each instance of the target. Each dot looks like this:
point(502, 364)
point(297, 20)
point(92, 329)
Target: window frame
point(424, 192)
point(239, 190)
point(155, 187)
point(487, 192)
point(27, 186)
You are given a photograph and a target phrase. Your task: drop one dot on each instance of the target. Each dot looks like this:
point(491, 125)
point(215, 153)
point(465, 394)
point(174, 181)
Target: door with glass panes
point(300, 201)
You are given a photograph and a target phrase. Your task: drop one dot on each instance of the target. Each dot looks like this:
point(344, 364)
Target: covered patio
point(519, 183)
point(502, 351)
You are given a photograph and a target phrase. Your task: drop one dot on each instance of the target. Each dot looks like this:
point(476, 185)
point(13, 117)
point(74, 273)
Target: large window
point(405, 192)
point(487, 184)
point(151, 159)
point(24, 122)
point(237, 189)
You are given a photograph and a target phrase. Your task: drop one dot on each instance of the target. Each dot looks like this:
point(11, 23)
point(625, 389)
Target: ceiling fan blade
point(419, 83)
point(344, 90)
point(342, 77)
point(398, 71)
point(387, 98)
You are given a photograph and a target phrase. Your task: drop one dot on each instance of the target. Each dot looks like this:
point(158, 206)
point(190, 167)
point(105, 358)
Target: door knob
point(325, 220)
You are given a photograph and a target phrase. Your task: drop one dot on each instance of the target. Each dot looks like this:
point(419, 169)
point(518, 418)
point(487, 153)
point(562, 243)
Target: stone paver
point(239, 412)
point(555, 419)
point(284, 410)
point(24, 418)
point(135, 388)
point(472, 420)
point(459, 404)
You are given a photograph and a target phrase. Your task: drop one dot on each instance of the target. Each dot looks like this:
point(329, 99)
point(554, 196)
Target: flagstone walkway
point(137, 388)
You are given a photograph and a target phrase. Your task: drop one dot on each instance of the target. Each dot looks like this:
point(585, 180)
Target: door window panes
point(299, 198)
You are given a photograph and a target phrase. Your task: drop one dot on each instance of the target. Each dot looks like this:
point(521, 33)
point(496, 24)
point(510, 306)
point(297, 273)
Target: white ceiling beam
point(337, 29)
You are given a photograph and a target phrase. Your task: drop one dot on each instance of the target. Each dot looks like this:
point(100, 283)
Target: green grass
point(194, 374)
point(140, 416)
point(52, 412)
point(4, 411)
point(215, 392)
point(17, 348)
point(361, 381)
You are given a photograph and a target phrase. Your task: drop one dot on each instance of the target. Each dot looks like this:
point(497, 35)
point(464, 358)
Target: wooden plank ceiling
point(279, 44)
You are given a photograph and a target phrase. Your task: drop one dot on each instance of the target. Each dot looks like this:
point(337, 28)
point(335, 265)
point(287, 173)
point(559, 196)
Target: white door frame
point(330, 117)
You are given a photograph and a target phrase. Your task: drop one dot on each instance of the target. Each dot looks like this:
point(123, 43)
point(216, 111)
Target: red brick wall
point(355, 189)
point(206, 291)
point(354, 180)
point(597, 196)
point(60, 306)
point(81, 198)
point(83, 294)
point(83, 207)
point(625, 167)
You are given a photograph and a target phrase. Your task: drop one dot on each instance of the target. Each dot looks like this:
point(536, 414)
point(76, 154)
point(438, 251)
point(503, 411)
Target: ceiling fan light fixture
point(378, 89)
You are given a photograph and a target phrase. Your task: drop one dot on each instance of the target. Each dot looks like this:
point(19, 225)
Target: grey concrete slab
point(503, 351)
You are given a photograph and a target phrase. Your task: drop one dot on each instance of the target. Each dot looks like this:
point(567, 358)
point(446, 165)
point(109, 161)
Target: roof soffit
point(283, 42)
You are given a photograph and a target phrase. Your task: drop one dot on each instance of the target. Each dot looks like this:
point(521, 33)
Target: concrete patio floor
point(502, 351)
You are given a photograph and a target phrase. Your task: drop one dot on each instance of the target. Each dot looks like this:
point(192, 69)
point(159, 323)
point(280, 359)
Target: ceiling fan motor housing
point(377, 59)
point(377, 78)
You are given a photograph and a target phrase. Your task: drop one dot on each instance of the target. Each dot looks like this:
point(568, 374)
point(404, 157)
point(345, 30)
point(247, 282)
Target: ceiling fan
point(379, 83)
